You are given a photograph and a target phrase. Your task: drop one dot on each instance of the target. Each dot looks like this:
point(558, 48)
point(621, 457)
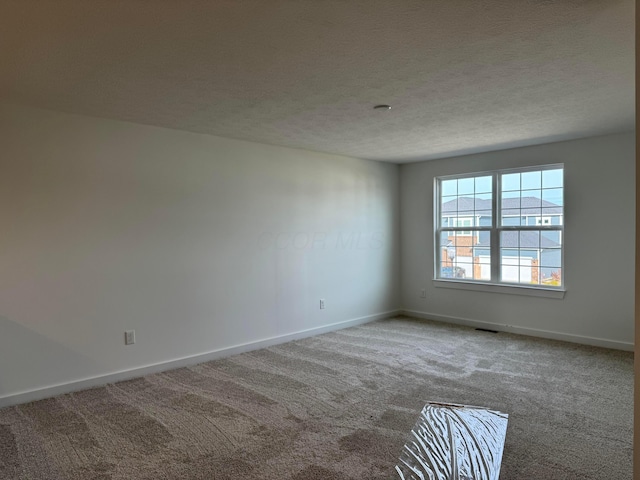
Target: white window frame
point(495, 284)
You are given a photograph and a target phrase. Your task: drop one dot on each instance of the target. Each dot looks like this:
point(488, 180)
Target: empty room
point(302, 239)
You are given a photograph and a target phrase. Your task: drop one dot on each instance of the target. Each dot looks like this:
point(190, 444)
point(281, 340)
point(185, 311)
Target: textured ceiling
point(462, 76)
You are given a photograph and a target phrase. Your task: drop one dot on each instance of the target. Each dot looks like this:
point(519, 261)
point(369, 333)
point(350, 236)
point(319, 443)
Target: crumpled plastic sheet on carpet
point(454, 442)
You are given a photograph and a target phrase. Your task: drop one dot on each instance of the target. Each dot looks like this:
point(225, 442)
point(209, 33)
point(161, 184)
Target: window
point(501, 227)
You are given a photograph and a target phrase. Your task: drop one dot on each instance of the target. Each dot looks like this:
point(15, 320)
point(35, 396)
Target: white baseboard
point(532, 332)
point(54, 390)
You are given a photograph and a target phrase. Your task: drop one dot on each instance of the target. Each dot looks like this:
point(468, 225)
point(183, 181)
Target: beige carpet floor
point(335, 407)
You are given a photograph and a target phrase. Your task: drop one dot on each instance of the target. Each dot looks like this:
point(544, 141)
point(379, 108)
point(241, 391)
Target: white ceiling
point(462, 76)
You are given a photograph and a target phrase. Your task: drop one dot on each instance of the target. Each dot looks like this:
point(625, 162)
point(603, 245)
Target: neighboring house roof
point(527, 240)
point(526, 205)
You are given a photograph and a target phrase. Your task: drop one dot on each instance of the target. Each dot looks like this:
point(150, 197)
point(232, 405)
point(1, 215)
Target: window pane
point(552, 178)
point(449, 187)
point(530, 257)
point(531, 199)
point(464, 219)
point(465, 204)
point(483, 257)
point(458, 200)
point(448, 253)
point(551, 276)
point(510, 181)
point(519, 269)
point(509, 266)
point(482, 264)
point(511, 217)
point(466, 186)
point(483, 218)
point(462, 256)
point(484, 238)
point(509, 253)
point(511, 200)
point(531, 180)
point(446, 245)
point(450, 203)
point(516, 255)
point(551, 239)
point(483, 185)
point(463, 269)
point(483, 201)
point(509, 240)
point(554, 213)
point(530, 239)
point(482, 207)
point(449, 208)
point(552, 195)
point(551, 267)
point(554, 218)
point(551, 257)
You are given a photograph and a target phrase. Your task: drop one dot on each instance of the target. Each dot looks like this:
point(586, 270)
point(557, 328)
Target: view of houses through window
point(512, 237)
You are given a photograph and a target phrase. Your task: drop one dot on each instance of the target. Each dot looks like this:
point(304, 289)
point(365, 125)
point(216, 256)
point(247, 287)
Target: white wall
point(598, 307)
point(203, 244)
point(196, 242)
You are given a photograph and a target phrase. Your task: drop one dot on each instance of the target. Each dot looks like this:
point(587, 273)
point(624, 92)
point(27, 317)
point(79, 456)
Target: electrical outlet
point(129, 337)
point(423, 293)
point(322, 304)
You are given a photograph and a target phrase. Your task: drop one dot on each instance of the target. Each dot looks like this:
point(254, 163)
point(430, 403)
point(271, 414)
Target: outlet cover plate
point(129, 337)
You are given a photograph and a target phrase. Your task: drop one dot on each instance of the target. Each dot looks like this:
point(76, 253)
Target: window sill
point(495, 288)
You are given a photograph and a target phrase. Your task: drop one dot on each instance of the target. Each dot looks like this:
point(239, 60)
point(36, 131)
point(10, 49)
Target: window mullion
point(437, 224)
point(495, 237)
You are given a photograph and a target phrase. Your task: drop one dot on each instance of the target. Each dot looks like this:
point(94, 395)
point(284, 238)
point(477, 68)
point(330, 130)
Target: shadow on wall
point(27, 359)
